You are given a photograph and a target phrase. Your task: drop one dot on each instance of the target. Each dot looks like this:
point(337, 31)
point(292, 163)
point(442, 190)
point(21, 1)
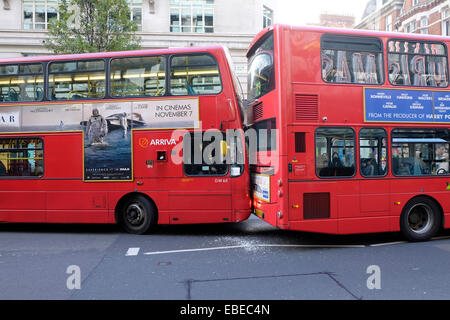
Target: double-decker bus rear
point(360, 133)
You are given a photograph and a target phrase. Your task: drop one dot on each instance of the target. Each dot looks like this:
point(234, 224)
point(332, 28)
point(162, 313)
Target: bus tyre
point(137, 215)
point(420, 219)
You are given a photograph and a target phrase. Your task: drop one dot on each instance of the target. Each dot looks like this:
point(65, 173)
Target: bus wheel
point(137, 215)
point(420, 219)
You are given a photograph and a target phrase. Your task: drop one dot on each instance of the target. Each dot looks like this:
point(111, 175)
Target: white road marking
point(193, 250)
point(135, 251)
point(132, 252)
point(253, 246)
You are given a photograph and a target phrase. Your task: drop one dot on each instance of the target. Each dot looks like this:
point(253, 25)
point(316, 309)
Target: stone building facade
point(162, 24)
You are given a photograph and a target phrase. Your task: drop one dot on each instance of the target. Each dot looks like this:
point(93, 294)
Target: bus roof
point(112, 54)
point(359, 32)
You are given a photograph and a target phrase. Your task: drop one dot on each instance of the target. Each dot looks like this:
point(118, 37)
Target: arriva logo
point(163, 142)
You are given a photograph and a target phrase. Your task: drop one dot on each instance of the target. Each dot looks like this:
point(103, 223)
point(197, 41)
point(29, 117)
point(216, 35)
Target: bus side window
point(194, 75)
point(24, 82)
point(203, 156)
point(21, 157)
point(352, 59)
point(373, 152)
point(417, 63)
point(420, 152)
point(76, 80)
point(335, 154)
point(138, 76)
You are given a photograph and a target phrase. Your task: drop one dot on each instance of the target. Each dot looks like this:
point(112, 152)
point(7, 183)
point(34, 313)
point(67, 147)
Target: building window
point(389, 23)
point(192, 16)
point(413, 26)
point(446, 23)
point(415, 2)
point(38, 13)
point(136, 12)
point(267, 17)
point(376, 25)
point(424, 25)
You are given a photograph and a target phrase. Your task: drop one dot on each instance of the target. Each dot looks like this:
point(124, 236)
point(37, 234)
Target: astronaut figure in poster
point(97, 128)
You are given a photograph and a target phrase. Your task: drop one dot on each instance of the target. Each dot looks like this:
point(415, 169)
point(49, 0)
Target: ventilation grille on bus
point(306, 107)
point(258, 111)
point(316, 205)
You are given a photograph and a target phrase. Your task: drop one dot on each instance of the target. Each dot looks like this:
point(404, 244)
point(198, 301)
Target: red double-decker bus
point(356, 130)
point(115, 138)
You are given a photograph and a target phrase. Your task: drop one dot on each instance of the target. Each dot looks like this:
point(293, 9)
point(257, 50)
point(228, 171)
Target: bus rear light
point(279, 183)
point(279, 215)
point(280, 193)
point(397, 203)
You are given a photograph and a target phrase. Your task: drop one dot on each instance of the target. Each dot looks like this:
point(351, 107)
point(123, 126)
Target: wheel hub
point(134, 214)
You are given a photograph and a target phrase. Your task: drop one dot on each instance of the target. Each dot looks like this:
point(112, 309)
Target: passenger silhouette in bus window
point(336, 161)
point(404, 169)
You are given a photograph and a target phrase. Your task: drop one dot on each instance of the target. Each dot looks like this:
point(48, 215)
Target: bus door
point(186, 174)
point(300, 169)
point(373, 186)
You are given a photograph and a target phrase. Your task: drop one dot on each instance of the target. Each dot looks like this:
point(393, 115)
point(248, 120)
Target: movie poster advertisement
point(107, 128)
point(107, 141)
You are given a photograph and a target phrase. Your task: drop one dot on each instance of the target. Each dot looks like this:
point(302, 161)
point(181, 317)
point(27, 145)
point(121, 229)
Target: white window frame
point(446, 22)
point(135, 4)
point(424, 25)
point(34, 4)
point(179, 5)
point(388, 21)
point(267, 16)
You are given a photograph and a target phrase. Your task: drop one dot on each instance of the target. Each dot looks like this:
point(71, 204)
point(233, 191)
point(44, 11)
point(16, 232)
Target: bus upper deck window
point(76, 80)
point(194, 75)
point(352, 59)
point(138, 76)
point(21, 82)
point(417, 63)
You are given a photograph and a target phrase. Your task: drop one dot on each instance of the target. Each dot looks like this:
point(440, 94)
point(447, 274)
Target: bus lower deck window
point(21, 157)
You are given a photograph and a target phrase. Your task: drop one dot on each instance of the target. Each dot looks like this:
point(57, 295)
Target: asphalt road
point(239, 261)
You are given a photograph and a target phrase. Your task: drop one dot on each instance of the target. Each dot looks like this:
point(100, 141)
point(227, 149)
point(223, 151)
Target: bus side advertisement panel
point(409, 106)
